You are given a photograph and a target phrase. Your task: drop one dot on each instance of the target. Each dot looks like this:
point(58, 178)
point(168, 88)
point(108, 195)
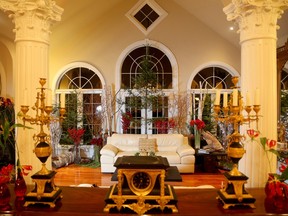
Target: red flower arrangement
point(198, 123)
point(283, 165)
point(6, 173)
point(76, 135)
point(171, 123)
point(97, 141)
point(161, 126)
point(126, 120)
point(269, 145)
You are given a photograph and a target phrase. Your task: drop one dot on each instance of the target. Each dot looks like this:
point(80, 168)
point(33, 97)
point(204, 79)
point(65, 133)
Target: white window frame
point(63, 71)
point(122, 94)
point(160, 11)
point(192, 92)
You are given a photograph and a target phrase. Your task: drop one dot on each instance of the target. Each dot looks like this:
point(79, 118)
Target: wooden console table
point(91, 201)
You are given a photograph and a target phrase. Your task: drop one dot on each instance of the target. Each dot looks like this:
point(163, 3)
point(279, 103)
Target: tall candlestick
point(248, 102)
point(235, 97)
point(62, 100)
point(257, 97)
point(217, 99)
point(225, 99)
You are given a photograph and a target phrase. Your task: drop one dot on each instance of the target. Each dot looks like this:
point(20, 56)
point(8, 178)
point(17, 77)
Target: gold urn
point(235, 152)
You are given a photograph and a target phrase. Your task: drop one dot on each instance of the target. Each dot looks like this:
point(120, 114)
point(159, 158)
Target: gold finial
point(42, 81)
point(235, 80)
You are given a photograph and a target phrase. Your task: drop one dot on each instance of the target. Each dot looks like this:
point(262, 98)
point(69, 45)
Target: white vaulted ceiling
point(209, 12)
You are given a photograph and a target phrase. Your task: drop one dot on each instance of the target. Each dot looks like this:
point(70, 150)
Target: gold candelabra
point(42, 140)
point(232, 111)
point(45, 191)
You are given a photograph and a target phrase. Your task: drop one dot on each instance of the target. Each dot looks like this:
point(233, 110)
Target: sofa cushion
point(109, 150)
point(126, 142)
point(189, 159)
point(172, 157)
point(105, 159)
point(167, 142)
point(184, 150)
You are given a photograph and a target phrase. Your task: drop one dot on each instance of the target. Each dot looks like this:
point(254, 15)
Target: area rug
point(172, 175)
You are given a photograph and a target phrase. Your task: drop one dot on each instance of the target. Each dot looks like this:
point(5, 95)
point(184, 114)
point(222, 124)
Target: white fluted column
point(33, 21)
point(257, 20)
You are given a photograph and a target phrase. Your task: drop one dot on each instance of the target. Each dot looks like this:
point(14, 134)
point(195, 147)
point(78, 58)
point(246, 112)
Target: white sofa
point(174, 147)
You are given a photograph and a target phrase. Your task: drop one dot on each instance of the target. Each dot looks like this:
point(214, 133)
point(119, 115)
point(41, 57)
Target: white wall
point(100, 42)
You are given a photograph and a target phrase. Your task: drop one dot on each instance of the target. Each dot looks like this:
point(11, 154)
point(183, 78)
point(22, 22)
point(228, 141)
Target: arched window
point(142, 60)
point(206, 81)
point(82, 86)
point(159, 63)
point(202, 91)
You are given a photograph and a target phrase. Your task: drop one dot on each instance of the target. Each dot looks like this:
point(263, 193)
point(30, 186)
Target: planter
point(20, 187)
point(5, 197)
point(77, 155)
point(197, 140)
point(88, 151)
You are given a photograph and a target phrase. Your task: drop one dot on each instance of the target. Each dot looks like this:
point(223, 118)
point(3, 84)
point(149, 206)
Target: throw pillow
point(147, 146)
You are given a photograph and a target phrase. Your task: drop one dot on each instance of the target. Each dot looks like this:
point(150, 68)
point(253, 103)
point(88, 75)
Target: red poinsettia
point(6, 173)
point(76, 134)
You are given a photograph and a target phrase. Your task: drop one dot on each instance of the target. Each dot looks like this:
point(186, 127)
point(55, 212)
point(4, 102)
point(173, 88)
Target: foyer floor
point(75, 175)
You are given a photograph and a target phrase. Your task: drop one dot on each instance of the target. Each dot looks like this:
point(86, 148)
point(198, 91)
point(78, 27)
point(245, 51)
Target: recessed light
point(231, 28)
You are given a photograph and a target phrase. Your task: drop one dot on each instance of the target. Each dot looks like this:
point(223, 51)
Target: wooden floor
point(73, 175)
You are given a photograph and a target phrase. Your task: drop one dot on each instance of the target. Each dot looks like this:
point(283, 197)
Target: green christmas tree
point(145, 93)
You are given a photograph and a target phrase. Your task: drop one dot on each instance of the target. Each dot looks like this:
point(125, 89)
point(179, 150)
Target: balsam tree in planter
point(75, 119)
point(146, 92)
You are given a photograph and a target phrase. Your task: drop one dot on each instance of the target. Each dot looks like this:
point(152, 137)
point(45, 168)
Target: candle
point(217, 99)
point(225, 99)
point(257, 97)
point(62, 100)
point(235, 97)
point(248, 102)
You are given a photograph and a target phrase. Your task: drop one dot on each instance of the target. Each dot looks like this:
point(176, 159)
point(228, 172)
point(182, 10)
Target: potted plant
point(7, 132)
